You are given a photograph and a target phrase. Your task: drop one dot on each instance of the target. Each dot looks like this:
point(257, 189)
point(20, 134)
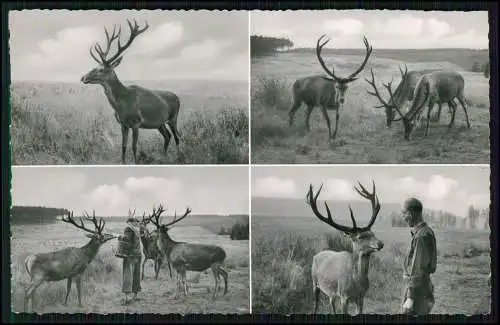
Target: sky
point(54, 45)
point(112, 191)
point(384, 29)
point(448, 188)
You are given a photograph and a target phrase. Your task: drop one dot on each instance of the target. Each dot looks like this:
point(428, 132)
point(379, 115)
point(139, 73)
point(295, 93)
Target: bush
point(240, 231)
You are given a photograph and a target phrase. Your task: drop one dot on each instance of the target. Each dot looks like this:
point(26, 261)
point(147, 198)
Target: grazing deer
point(67, 263)
point(441, 86)
point(150, 246)
point(327, 93)
point(135, 107)
point(344, 274)
point(404, 92)
point(187, 256)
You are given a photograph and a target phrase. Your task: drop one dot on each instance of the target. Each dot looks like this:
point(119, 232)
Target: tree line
point(484, 68)
point(265, 45)
point(35, 214)
point(239, 231)
point(442, 219)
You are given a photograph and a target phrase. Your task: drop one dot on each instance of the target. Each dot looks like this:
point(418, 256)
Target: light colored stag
point(326, 92)
point(441, 86)
point(187, 256)
point(404, 93)
point(135, 107)
point(344, 274)
point(67, 263)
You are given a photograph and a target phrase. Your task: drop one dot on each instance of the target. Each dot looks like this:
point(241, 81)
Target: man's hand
point(407, 306)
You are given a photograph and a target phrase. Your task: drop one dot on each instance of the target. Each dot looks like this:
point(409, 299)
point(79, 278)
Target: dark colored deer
point(135, 107)
point(187, 256)
point(326, 92)
point(67, 263)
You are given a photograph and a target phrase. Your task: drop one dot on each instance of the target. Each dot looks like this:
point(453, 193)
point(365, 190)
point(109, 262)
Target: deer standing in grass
point(344, 275)
point(441, 86)
point(187, 256)
point(135, 107)
point(403, 93)
point(326, 92)
point(67, 263)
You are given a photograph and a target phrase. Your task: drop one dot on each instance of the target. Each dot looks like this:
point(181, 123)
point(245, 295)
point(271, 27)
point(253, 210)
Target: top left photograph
point(129, 87)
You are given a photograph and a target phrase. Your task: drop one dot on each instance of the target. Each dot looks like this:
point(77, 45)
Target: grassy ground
point(101, 287)
point(74, 124)
point(282, 254)
point(362, 136)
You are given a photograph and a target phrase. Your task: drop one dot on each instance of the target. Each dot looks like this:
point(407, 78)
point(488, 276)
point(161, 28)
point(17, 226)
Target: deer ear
point(89, 235)
point(116, 62)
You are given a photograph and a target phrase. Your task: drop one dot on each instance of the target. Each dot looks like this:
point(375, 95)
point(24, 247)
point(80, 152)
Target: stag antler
point(374, 201)
point(388, 87)
point(134, 32)
point(188, 210)
point(353, 76)
point(99, 226)
point(155, 216)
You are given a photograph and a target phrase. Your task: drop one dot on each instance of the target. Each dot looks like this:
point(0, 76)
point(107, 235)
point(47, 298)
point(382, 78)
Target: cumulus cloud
point(274, 187)
point(339, 189)
point(208, 48)
point(439, 187)
point(347, 26)
point(158, 39)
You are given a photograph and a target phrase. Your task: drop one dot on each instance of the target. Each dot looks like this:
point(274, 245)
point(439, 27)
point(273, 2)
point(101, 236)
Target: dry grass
point(362, 136)
point(74, 124)
point(101, 285)
point(281, 268)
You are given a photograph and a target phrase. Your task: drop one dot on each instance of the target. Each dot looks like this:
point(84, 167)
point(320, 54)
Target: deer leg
point(453, 112)
point(337, 116)
point(327, 119)
point(30, 292)
point(78, 281)
point(293, 110)
point(463, 103)
point(332, 303)
point(166, 136)
point(68, 289)
point(308, 117)
point(344, 303)
point(135, 137)
point(316, 299)
point(216, 278)
point(124, 142)
point(429, 111)
point(359, 306)
point(143, 265)
point(157, 268)
point(225, 276)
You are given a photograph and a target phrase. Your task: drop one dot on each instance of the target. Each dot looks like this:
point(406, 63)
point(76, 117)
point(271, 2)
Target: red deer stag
point(327, 93)
point(403, 93)
point(187, 256)
point(441, 86)
point(344, 274)
point(67, 263)
point(135, 107)
point(150, 246)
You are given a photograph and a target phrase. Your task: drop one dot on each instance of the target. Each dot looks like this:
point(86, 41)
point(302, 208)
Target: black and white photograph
point(370, 87)
point(365, 239)
point(109, 87)
point(140, 239)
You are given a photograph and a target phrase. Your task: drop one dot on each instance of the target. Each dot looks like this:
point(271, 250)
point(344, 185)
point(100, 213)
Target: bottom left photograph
point(120, 239)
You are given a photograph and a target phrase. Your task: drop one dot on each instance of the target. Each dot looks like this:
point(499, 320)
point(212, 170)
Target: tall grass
point(42, 134)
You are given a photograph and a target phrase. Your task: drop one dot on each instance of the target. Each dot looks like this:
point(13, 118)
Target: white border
point(249, 164)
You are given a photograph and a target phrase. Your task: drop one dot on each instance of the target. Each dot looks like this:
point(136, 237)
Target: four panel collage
point(263, 162)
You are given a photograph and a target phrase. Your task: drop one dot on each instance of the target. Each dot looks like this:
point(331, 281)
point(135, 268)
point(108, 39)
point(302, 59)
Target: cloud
point(107, 199)
point(339, 189)
point(347, 26)
point(438, 28)
point(405, 24)
point(206, 49)
point(274, 187)
point(160, 38)
point(439, 187)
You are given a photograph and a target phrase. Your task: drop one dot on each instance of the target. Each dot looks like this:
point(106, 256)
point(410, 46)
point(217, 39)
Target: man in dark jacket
point(420, 262)
point(132, 261)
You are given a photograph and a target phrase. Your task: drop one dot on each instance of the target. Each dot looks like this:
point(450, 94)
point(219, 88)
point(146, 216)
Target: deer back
point(196, 257)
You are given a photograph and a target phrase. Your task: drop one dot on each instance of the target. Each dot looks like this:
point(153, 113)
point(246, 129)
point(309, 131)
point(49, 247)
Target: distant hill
point(464, 58)
point(35, 214)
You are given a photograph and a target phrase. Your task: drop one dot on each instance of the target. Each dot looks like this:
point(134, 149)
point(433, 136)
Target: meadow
point(362, 136)
point(101, 282)
point(58, 123)
point(283, 248)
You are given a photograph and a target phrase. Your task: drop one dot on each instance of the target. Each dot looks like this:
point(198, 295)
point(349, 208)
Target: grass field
point(283, 248)
point(362, 136)
point(75, 124)
point(101, 284)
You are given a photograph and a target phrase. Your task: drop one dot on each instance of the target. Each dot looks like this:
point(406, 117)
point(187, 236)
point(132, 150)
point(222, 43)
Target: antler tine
point(188, 210)
point(70, 219)
point(369, 50)
point(329, 220)
point(354, 225)
point(374, 201)
point(93, 56)
point(376, 93)
point(134, 32)
point(319, 47)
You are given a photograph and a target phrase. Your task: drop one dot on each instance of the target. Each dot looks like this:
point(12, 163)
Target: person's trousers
point(423, 299)
point(131, 275)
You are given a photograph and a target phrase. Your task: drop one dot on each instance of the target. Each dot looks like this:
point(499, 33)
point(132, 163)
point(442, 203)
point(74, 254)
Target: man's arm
point(418, 267)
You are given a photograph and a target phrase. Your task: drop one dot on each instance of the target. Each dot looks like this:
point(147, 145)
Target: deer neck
point(91, 248)
point(168, 243)
point(116, 92)
point(361, 263)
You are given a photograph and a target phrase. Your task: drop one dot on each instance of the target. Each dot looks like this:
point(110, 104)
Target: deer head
point(105, 70)
point(97, 233)
point(341, 83)
point(362, 238)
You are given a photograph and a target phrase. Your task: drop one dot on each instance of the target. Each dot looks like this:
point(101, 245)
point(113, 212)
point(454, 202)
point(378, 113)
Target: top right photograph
point(370, 87)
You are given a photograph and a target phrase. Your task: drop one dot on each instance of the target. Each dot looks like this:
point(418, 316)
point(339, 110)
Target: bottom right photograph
point(377, 239)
